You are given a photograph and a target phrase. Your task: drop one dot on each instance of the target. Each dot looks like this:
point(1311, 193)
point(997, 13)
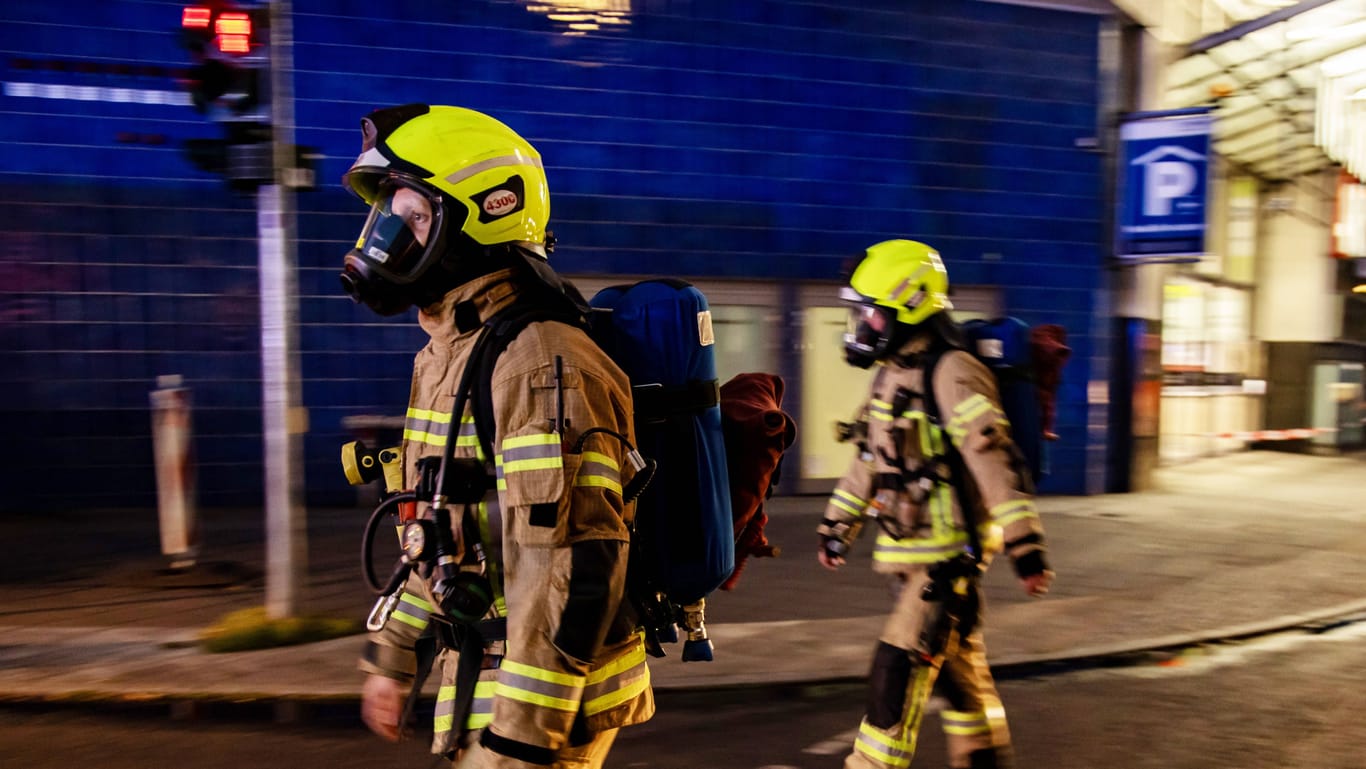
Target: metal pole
point(284, 420)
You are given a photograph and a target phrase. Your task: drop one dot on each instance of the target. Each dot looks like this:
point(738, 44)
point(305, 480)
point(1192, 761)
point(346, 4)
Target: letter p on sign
point(1163, 182)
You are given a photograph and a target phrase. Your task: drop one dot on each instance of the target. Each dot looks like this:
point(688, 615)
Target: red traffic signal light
point(230, 30)
point(195, 17)
point(231, 63)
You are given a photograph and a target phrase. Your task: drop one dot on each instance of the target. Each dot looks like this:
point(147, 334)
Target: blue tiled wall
point(761, 139)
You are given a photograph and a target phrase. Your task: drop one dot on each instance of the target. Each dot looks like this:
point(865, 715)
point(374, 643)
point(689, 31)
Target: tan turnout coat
point(555, 531)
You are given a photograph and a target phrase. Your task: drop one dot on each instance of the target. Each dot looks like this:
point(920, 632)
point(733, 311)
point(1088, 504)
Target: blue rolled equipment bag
point(1003, 344)
point(659, 332)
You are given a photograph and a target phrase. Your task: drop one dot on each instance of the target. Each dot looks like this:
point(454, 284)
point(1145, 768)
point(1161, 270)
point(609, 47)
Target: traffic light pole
point(284, 419)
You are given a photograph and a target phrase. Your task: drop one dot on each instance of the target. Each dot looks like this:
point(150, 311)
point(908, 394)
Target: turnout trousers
point(587, 756)
point(902, 680)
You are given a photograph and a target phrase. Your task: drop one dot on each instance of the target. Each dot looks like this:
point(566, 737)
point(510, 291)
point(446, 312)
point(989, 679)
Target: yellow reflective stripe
point(524, 465)
point(602, 459)
point(536, 698)
point(625, 662)
point(610, 481)
point(443, 723)
point(848, 502)
point(430, 416)
point(971, 407)
point(470, 438)
point(541, 674)
point(420, 624)
point(599, 481)
point(561, 691)
point(1007, 513)
point(483, 694)
point(959, 722)
point(624, 694)
point(423, 437)
point(880, 747)
point(413, 611)
point(889, 750)
point(417, 601)
point(919, 423)
point(926, 550)
point(494, 548)
point(931, 437)
point(445, 700)
point(941, 511)
point(880, 756)
point(535, 439)
point(965, 413)
point(880, 410)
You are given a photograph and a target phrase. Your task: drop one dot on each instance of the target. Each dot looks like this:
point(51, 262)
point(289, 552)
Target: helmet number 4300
point(500, 202)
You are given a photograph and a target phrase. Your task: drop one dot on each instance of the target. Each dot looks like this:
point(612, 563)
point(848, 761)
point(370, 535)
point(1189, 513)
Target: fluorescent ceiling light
point(1345, 63)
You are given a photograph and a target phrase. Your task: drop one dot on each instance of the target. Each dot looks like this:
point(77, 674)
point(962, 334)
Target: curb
point(1117, 655)
point(343, 709)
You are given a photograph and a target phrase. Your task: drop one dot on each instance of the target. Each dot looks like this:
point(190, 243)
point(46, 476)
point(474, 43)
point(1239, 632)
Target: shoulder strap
point(957, 469)
point(503, 328)
point(929, 363)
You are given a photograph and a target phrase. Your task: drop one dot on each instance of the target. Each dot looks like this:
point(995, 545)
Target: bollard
point(175, 472)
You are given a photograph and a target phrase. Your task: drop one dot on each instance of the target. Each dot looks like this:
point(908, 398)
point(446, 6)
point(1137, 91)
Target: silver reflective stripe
point(619, 681)
point(429, 427)
point(413, 611)
point(491, 532)
point(481, 709)
point(959, 722)
point(538, 686)
point(530, 452)
point(515, 159)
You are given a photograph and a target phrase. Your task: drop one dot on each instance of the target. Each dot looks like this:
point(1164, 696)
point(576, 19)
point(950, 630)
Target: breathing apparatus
point(458, 575)
point(459, 584)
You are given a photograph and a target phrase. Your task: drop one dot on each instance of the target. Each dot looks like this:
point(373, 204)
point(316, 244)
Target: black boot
point(999, 757)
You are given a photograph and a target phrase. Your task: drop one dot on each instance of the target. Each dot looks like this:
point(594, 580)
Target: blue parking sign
point(1164, 181)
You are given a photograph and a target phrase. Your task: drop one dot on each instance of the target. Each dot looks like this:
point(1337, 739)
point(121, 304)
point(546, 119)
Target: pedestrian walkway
point(1222, 548)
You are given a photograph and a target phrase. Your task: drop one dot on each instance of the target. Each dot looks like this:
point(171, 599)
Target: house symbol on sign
point(1169, 172)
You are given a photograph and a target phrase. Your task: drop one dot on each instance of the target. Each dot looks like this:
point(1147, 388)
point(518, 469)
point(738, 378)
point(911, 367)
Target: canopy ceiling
point(1289, 88)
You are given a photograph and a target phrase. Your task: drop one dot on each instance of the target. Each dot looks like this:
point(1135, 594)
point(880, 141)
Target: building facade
point(750, 147)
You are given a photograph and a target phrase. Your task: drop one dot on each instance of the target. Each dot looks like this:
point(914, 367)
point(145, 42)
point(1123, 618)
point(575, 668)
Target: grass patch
point(250, 629)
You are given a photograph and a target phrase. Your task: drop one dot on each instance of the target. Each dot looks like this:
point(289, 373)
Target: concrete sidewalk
point(1224, 548)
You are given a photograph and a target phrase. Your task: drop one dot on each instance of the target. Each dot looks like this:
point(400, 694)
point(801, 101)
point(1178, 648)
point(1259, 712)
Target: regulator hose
point(368, 538)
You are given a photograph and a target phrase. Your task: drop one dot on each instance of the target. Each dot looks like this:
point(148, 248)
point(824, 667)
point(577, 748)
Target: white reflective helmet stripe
point(371, 158)
point(848, 294)
point(515, 159)
point(903, 293)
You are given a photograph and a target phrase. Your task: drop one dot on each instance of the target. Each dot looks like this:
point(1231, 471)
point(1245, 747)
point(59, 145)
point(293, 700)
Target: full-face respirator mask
point(403, 241)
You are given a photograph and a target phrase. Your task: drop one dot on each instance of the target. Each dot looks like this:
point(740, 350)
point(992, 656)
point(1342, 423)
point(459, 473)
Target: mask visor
point(398, 233)
point(869, 327)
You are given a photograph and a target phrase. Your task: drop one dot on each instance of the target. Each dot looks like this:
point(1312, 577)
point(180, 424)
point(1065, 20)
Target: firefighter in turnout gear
point(943, 494)
point(540, 656)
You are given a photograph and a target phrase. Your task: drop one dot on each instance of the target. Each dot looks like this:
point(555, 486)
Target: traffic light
point(230, 70)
